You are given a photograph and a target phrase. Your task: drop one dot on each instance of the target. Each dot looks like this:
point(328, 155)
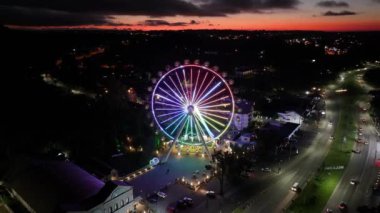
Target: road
point(278, 195)
point(361, 166)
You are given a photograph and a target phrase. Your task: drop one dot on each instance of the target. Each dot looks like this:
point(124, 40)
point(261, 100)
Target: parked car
point(266, 169)
point(161, 194)
point(211, 194)
point(171, 209)
point(188, 201)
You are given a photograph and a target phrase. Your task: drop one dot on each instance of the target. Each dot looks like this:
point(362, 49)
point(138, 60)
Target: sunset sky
point(345, 15)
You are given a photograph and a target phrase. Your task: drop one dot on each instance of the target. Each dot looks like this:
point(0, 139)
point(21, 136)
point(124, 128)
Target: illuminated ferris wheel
point(193, 105)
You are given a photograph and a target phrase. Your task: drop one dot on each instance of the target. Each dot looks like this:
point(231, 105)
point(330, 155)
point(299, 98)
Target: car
point(354, 182)
point(161, 194)
point(188, 201)
point(171, 209)
point(357, 151)
point(266, 169)
point(210, 194)
point(295, 187)
point(330, 123)
point(360, 133)
point(365, 142)
point(328, 210)
point(342, 206)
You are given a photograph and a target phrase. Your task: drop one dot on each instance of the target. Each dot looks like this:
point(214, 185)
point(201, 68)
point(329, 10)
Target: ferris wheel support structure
point(175, 140)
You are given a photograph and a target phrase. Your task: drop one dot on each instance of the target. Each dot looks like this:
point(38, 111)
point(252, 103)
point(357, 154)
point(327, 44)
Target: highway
point(361, 166)
point(278, 195)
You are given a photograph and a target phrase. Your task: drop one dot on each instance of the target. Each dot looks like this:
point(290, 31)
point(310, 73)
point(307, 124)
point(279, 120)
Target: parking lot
point(174, 179)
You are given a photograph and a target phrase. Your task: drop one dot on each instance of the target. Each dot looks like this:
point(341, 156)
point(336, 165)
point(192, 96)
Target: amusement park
point(193, 107)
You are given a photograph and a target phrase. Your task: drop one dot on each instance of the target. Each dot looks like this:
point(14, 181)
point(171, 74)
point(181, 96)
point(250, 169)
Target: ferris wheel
point(193, 105)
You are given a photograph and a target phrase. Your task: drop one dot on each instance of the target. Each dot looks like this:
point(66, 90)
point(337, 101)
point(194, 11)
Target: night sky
point(345, 15)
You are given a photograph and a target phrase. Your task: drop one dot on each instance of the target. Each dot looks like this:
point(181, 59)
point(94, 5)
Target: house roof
point(45, 184)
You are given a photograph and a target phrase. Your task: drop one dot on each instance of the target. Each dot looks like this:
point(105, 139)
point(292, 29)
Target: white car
point(353, 182)
point(266, 169)
point(161, 194)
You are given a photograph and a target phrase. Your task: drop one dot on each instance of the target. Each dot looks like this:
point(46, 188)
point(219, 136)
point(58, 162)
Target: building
point(46, 186)
point(284, 131)
point(243, 114)
point(290, 117)
point(245, 140)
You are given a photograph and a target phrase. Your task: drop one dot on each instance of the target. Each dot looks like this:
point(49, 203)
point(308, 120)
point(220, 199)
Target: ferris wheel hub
point(190, 109)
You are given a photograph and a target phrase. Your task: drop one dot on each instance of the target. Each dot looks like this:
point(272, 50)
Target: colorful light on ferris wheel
point(196, 90)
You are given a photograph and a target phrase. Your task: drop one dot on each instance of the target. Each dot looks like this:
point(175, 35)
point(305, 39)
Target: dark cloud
point(341, 13)
point(154, 8)
point(100, 10)
point(333, 4)
point(158, 22)
point(45, 17)
point(247, 6)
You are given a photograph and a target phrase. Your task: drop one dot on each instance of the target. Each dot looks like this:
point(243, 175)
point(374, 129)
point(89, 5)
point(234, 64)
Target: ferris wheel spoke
point(166, 109)
point(173, 98)
point(191, 85)
point(168, 99)
point(213, 101)
point(166, 104)
point(191, 125)
point(208, 93)
point(187, 125)
point(184, 100)
point(176, 94)
point(180, 122)
point(199, 89)
point(195, 87)
point(171, 118)
point(203, 90)
point(213, 120)
point(209, 123)
point(183, 90)
point(209, 98)
point(186, 87)
point(175, 121)
point(171, 113)
point(214, 115)
point(214, 106)
point(202, 121)
point(198, 129)
point(216, 110)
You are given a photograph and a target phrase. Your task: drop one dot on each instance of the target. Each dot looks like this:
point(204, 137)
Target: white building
point(242, 115)
point(44, 186)
point(289, 117)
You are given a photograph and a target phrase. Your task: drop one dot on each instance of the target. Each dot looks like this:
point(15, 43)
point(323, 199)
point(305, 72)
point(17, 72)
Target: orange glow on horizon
point(270, 25)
